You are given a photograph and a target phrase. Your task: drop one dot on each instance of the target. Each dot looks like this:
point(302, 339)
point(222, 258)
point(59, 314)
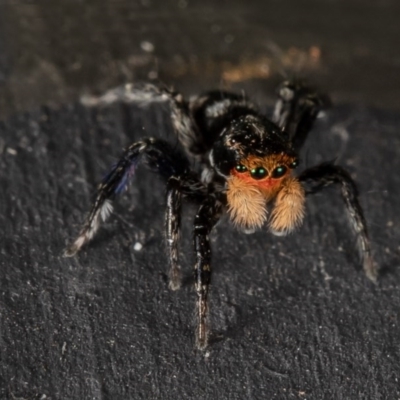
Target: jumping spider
point(244, 166)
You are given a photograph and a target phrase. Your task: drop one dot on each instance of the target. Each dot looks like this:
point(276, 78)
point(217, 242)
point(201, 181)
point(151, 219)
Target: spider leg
point(189, 186)
point(296, 110)
point(207, 216)
point(144, 94)
point(157, 154)
point(325, 174)
point(172, 224)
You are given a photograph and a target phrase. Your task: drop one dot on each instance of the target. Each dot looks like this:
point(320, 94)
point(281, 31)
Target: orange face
point(256, 181)
point(264, 173)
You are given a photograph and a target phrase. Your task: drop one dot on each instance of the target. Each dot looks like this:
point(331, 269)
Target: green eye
point(279, 171)
point(258, 173)
point(240, 168)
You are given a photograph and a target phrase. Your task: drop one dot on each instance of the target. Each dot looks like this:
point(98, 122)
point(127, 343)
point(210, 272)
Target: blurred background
point(52, 52)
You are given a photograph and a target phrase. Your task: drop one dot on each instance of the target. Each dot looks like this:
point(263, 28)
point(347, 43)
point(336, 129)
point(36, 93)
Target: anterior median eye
point(279, 171)
point(258, 173)
point(241, 168)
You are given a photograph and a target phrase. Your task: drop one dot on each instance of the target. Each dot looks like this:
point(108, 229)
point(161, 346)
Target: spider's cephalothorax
point(247, 164)
point(257, 160)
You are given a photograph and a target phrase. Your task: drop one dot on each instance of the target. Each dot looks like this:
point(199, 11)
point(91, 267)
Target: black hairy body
point(246, 168)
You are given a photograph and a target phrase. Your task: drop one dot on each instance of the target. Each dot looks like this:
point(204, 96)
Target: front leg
point(323, 175)
point(189, 187)
point(157, 154)
point(207, 216)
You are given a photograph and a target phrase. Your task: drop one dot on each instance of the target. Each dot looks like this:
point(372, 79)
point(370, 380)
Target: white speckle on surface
point(147, 46)
point(137, 246)
point(11, 151)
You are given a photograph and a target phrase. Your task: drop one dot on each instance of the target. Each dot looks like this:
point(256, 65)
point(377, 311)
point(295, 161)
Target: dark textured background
point(292, 318)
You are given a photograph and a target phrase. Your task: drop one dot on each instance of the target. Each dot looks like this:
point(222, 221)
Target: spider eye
point(278, 172)
point(240, 168)
point(294, 164)
point(258, 173)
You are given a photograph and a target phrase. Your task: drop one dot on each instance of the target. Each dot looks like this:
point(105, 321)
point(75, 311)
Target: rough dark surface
point(292, 318)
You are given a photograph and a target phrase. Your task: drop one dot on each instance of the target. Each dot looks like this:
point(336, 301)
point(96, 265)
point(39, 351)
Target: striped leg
point(172, 225)
point(144, 94)
point(207, 216)
point(296, 110)
point(157, 154)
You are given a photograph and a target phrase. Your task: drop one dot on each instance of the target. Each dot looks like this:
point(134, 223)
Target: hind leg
point(296, 110)
point(145, 94)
